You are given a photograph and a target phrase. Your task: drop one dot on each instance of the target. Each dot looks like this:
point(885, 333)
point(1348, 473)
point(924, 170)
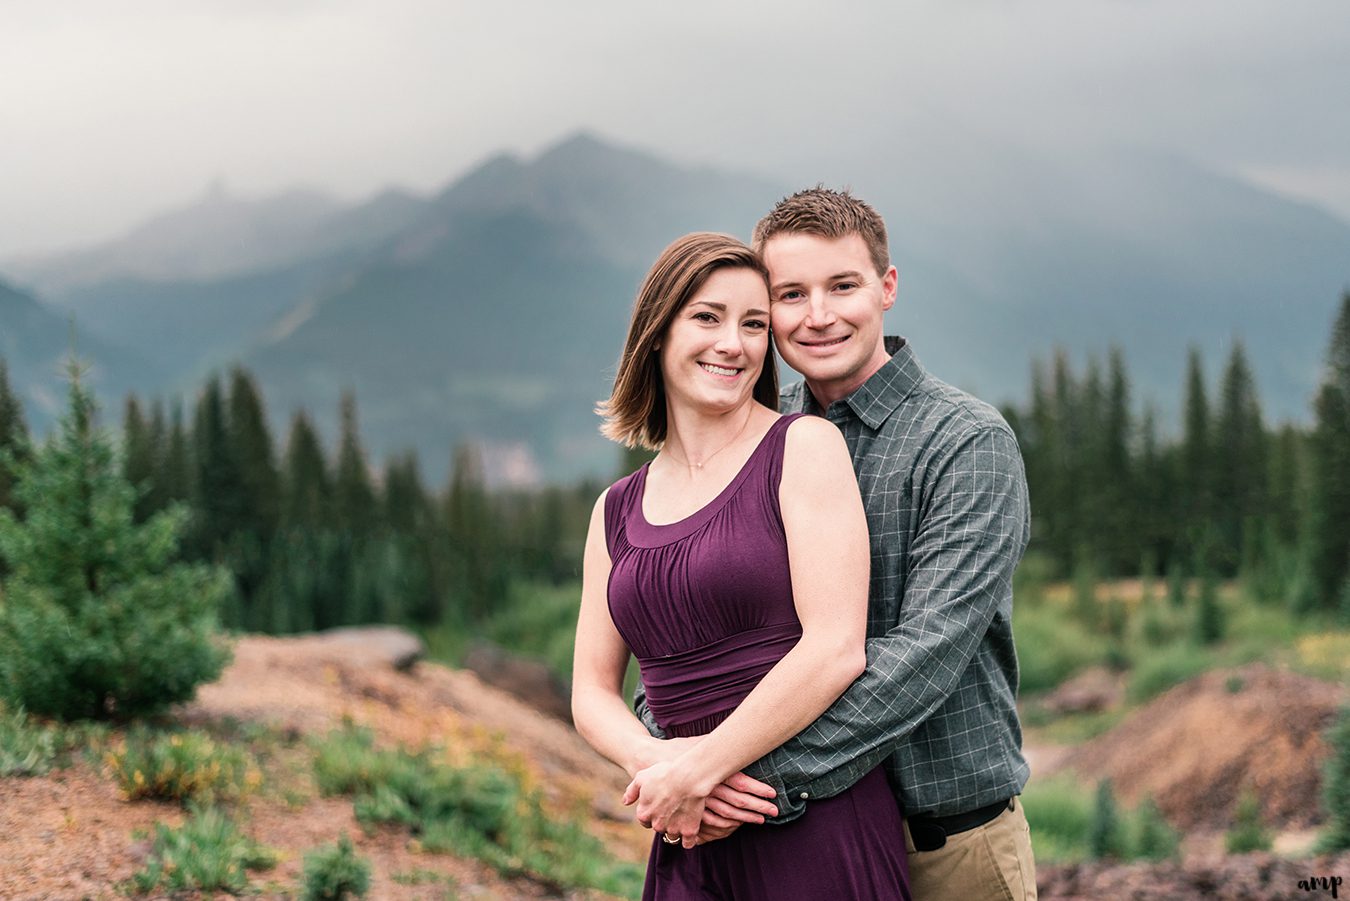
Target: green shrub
point(1336, 786)
point(182, 766)
point(1248, 832)
point(1070, 823)
point(481, 811)
point(335, 872)
point(99, 621)
point(1059, 812)
point(1210, 622)
point(1168, 666)
point(208, 853)
point(26, 748)
point(1107, 836)
point(1051, 646)
point(1152, 837)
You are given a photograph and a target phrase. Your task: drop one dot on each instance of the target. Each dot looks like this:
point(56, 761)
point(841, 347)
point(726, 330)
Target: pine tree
point(1210, 623)
point(218, 498)
point(249, 545)
point(1106, 833)
point(411, 518)
point(176, 467)
point(356, 516)
point(1154, 839)
point(1336, 786)
point(1119, 485)
point(251, 444)
point(476, 577)
point(1196, 465)
point(1248, 833)
point(99, 620)
point(354, 507)
point(138, 456)
point(307, 492)
point(13, 437)
point(1240, 471)
point(1326, 535)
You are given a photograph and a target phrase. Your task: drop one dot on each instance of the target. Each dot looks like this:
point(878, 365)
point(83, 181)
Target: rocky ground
point(69, 835)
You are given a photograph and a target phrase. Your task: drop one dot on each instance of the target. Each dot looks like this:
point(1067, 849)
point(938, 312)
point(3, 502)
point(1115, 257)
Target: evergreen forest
point(315, 538)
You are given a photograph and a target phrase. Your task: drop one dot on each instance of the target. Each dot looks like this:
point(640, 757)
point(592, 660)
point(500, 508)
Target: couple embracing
point(817, 584)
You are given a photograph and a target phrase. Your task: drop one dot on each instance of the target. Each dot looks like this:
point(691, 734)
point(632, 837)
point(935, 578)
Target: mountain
point(497, 317)
point(1006, 252)
point(493, 311)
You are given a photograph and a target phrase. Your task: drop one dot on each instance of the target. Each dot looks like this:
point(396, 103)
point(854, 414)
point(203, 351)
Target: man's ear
point(889, 282)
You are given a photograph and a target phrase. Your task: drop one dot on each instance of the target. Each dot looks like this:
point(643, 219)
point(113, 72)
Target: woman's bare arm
point(829, 556)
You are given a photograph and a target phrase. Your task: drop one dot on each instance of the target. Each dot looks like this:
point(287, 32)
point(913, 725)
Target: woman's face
point(713, 351)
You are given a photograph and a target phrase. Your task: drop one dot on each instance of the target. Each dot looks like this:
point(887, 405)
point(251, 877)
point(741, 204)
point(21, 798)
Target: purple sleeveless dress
point(705, 604)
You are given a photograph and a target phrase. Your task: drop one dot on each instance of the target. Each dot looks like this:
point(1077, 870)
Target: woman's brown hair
point(635, 413)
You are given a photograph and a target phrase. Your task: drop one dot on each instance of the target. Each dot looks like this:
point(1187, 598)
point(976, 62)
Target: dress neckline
point(647, 534)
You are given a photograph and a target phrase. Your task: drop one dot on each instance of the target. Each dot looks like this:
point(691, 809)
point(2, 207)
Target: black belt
point(930, 833)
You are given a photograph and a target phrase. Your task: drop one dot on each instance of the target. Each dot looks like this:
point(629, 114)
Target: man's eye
point(790, 295)
point(845, 286)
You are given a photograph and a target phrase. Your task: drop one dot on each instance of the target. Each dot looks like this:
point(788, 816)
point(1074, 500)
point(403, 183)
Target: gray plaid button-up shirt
point(946, 499)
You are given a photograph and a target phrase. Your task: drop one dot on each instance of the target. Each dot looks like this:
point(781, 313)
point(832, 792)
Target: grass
point(482, 811)
point(1063, 813)
point(208, 852)
point(183, 766)
point(334, 872)
point(27, 748)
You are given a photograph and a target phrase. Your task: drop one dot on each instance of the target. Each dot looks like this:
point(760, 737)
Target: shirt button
point(804, 795)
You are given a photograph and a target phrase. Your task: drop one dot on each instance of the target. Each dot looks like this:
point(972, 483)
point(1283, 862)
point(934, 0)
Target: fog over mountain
point(492, 311)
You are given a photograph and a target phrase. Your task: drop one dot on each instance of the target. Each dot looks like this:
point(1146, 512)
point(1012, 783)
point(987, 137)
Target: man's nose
point(818, 312)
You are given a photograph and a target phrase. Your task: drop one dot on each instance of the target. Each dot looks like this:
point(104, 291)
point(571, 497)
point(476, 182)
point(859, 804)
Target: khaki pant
point(991, 861)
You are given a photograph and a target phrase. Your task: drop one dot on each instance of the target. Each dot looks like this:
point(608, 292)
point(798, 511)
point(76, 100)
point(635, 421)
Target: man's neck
point(827, 393)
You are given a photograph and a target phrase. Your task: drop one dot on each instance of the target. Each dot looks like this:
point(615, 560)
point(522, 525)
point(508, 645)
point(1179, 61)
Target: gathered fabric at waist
point(696, 689)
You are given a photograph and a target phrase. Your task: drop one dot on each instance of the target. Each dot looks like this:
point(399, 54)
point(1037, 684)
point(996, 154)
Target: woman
point(735, 567)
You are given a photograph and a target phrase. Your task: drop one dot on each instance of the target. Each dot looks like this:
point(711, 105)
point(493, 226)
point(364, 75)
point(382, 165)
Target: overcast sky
point(114, 111)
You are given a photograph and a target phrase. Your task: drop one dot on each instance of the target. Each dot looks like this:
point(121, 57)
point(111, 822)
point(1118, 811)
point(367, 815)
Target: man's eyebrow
point(852, 274)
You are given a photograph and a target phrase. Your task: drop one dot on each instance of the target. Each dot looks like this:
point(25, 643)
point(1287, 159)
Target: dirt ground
point(1196, 748)
point(68, 835)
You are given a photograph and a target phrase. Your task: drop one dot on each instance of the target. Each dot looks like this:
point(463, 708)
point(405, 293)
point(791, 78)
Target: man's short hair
point(826, 213)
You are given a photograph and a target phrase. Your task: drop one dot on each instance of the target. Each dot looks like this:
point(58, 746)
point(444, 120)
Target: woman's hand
point(667, 801)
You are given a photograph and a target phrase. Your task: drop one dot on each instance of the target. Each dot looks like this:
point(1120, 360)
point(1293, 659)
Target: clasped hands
point(672, 798)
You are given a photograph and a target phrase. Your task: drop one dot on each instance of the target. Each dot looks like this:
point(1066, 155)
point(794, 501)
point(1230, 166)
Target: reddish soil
point(68, 835)
point(1196, 748)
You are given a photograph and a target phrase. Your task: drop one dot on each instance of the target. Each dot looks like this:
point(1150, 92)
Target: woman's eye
point(705, 317)
point(756, 324)
point(790, 295)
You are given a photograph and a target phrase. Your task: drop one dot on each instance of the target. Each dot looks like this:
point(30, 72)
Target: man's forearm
point(959, 577)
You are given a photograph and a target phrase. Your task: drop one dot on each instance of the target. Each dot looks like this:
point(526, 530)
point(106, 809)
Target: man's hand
point(666, 805)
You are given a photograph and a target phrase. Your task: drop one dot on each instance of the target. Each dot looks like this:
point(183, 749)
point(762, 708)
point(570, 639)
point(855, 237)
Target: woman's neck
point(695, 438)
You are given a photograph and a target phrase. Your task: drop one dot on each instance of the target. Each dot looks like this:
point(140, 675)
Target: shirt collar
point(887, 388)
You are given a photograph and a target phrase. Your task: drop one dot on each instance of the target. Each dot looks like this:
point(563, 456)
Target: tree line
point(316, 539)
point(1229, 495)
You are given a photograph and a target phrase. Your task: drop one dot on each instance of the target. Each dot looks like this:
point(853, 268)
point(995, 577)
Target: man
point(943, 484)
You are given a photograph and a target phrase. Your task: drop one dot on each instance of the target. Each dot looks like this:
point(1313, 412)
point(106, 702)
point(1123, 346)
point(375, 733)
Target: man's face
point(827, 307)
